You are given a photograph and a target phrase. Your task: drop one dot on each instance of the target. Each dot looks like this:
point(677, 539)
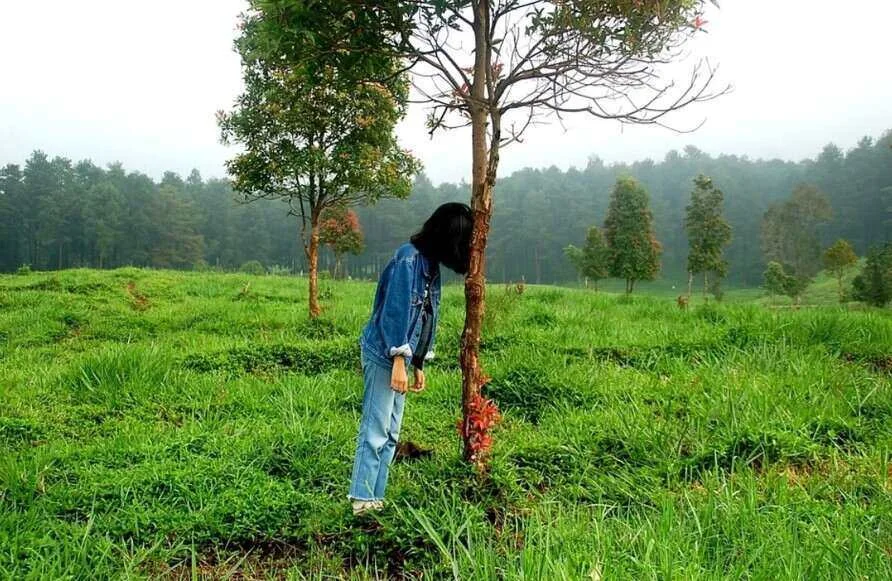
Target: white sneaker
point(364, 506)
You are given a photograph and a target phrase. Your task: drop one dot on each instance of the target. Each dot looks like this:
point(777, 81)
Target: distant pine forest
point(57, 214)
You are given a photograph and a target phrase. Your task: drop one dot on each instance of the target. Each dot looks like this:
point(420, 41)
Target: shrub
point(874, 284)
point(24, 270)
point(253, 267)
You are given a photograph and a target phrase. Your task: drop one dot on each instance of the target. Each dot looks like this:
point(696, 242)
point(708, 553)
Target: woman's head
point(446, 236)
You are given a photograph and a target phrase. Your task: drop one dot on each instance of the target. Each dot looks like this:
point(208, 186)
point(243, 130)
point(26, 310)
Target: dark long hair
point(446, 236)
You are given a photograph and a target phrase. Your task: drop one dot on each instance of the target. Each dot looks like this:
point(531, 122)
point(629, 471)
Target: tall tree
point(314, 135)
point(38, 215)
point(103, 217)
point(341, 232)
point(634, 249)
point(529, 59)
point(174, 241)
point(790, 233)
point(839, 259)
point(708, 233)
point(592, 261)
point(12, 205)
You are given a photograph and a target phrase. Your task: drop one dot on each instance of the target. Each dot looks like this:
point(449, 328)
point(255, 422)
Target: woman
point(402, 328)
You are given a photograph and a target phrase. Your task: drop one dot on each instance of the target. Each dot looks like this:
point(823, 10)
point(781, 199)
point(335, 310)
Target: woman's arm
point(399, 379)
point(396, 309)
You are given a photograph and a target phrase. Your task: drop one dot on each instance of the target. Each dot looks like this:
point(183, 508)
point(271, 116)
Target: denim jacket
point(395, 325)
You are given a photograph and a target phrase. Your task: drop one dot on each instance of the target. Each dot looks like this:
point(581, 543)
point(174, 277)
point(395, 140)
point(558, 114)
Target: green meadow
point(159, 424)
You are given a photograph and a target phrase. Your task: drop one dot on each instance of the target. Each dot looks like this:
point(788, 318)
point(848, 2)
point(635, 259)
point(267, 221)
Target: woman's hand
point(420, 382)
point(399, 380)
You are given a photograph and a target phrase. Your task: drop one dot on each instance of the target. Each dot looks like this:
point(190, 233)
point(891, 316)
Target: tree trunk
point(337, 267)
point(690, 283)
point(706, 286)
point(313, 259)
point(839, 280)
point(538, 265)
point(484, 167)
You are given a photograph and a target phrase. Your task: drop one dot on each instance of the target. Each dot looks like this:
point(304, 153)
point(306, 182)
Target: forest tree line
point(55, 213)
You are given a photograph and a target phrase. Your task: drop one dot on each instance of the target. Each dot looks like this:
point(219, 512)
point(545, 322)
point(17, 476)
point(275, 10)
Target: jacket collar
point(428, 267)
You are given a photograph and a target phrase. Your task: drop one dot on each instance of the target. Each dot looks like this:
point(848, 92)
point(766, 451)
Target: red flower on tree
point(476, 428)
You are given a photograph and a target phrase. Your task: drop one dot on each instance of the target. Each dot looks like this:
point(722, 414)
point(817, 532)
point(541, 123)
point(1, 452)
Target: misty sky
point(139, 82)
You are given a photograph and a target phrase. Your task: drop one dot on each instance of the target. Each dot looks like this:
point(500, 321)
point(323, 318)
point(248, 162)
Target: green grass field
point(186, 425)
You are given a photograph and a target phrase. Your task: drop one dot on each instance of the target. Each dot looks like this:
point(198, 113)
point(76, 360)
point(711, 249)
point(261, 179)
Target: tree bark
point(484, 167)
point(690, 283)
point(313, 259)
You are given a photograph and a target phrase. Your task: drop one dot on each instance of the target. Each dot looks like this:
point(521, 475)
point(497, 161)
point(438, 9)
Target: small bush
point(24, 270)
point(253, 267)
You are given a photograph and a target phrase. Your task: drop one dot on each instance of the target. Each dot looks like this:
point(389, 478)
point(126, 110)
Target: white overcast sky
point(139, 82)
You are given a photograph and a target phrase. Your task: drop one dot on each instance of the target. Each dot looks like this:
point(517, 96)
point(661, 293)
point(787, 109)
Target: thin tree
point(634, 249)
point(774, 278)
point(708, 233)
point(777, 281)
point(500, 66)
point(592, 261)
point(838, 260)
point(873, 285)
point(314, 135)
point(790, 234)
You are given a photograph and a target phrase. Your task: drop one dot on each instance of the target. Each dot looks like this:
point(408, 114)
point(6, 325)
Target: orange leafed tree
point(341, 232)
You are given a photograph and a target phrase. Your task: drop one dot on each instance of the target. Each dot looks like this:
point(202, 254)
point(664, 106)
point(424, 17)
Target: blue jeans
point(379, 432)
